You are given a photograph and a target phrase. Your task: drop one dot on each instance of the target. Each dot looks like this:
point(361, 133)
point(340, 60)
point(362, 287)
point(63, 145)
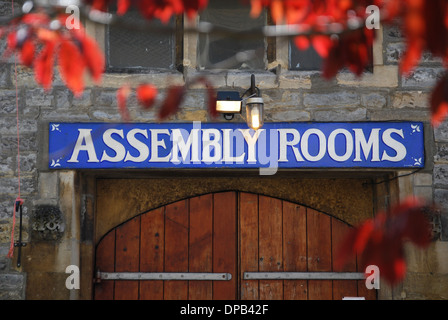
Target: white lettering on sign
point(142, 149)
point(234, 146)
point(156, 144)
point(372, 145)
point(84, 143)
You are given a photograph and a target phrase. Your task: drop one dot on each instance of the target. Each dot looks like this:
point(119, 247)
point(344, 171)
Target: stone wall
point(289, 96)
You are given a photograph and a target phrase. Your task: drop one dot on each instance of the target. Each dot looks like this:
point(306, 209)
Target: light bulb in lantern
point(254, 112)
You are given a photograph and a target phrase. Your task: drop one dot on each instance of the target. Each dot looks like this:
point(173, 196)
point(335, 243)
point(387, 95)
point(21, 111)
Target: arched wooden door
point(235, 233)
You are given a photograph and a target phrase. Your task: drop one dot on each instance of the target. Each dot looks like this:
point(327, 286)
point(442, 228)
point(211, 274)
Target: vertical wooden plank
point(127, 250)
point(224, 244)
point(342, 288)
point(248, 224)
point(152, 236)
point(270, 247)
point(294, 249)
point(176, 249)
point(105, 262)
point(201, 245)
point(319, 253)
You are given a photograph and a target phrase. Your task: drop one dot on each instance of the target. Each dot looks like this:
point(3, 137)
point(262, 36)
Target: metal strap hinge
point(303, 276)
point(191, 276)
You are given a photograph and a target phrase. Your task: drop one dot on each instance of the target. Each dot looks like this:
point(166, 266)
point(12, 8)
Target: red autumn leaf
point(322, 45)
point(27, 53)
point(211, 98)
point(439, 102)
point(12, 40)
point(302, 42)
point(211, 95)
point(36, 19)
point(162, 10)
point(93, 57)
point(71, 66)
point(146, 95)
point(122, 97)
point(192, 7)
point(277, 11)
point(256, 6)
point(380, 241)
point(123, 6)
point(411, 56)
point(170, 105)
point(43, 65)
point(98, 4)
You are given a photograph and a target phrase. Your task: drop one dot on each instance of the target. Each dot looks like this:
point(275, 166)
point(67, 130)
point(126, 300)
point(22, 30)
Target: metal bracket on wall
point(19, 244)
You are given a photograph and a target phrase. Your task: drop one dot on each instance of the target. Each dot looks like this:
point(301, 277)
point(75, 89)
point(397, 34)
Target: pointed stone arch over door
point(225, 232)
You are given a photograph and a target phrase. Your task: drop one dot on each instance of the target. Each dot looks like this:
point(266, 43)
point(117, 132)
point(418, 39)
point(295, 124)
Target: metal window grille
point(131, 50)
point(216, 50)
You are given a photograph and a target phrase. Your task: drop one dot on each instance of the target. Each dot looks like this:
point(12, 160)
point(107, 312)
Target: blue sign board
point(234, 145)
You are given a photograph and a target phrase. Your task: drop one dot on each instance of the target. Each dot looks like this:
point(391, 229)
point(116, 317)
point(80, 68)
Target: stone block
point(8, 102)
point(374, 100)
point(69, 116)
point(48, 185)
point(7, 166)
point(399, 115)
point(340, 115)
point(28, 163)
point(83, 101)
point(106, 99)
point(11, 281)
point(410, 99)
point(395, 51)
point(5, 77)
point(441, 174)
point(63, 99)
point(334, 99)
point(39, 97)
point(10, 186)
point(382, 76)
point(293, 80)
point(288, 114)
point(106, 115)
point(441, 199)
point(441, 155)
point(441, 132)
point(393, 32)
point(159, 79)
point(424, 193)
point(422, 77)
point(423, 179)
point(9, 143)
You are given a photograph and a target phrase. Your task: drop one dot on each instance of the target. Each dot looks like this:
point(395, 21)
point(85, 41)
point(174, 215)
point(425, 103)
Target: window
point(135, 51)
point(220, 51)
point(303, 60)
point(138, 51)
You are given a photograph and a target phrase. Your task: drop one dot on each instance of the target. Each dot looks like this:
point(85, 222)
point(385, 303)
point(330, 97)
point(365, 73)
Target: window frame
point(278, 65)
point(177, 54)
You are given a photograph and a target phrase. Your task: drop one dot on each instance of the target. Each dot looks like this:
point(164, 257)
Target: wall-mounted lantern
point(230, 103)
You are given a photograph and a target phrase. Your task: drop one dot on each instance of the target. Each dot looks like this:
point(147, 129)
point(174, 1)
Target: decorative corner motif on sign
point(415, 128)
point(56, 163)
point(417, 162)
point(55, 127)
